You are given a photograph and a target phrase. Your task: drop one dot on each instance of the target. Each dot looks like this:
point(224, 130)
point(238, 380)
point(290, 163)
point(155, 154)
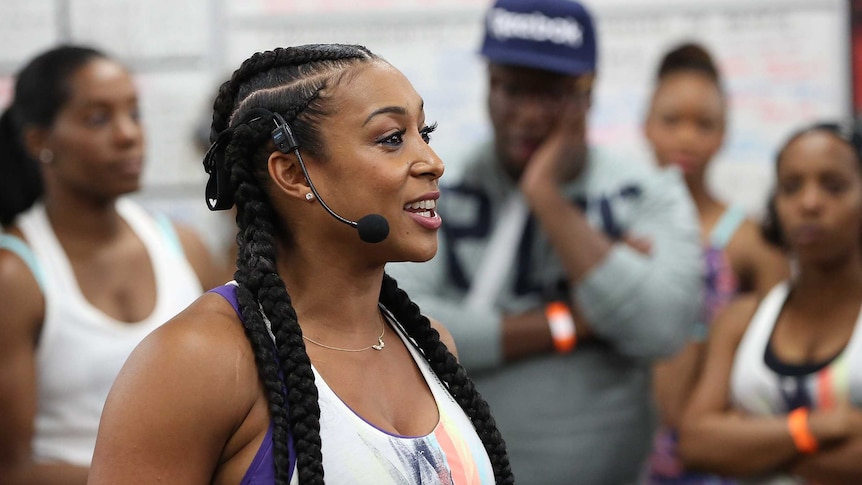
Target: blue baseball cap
point(551, 35)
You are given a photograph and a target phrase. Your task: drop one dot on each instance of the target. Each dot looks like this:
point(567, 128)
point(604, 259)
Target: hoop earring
point(46, 156)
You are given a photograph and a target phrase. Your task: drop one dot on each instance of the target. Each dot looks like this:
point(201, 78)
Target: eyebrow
point(391, 109)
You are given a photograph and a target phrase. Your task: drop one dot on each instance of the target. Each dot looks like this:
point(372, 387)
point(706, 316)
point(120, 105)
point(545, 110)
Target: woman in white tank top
point(85, 275)
point(779, 399)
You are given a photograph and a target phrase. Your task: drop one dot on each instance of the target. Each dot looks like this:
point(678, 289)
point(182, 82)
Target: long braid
point(288, 81)
point(447, 368)
point(255, 257)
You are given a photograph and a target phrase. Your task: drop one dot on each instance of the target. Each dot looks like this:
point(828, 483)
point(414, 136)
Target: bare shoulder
point(18, 284)
point(445, 336)
point(730, 324)
point(759, 262)
point(204, 347)
point(748, 237)
point(199, 256)
point(208, 328)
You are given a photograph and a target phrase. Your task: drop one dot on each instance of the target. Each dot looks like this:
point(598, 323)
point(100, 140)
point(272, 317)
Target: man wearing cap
point(562, 273)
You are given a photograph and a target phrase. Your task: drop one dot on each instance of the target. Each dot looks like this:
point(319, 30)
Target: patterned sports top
point(357, 452)
point(720, 286)
point(721, 283)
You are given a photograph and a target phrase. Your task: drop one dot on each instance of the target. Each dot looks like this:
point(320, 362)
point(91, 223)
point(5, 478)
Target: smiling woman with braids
point(323, 369)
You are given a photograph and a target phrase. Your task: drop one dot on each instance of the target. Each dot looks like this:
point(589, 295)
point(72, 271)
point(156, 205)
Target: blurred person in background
point(563, 272)
point(685, 127)
point(85, 273)
point(778, 400)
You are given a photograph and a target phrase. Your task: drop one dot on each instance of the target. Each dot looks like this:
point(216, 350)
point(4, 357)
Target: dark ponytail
point(293, 82)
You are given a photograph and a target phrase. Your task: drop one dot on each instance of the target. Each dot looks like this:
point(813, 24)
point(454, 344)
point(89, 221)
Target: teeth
point(422, 204)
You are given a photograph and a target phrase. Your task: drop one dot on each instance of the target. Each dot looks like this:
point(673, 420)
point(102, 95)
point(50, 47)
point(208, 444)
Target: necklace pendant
point(380, 344)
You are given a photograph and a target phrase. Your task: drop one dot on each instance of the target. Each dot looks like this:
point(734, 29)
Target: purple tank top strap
point(228, 292)
point(262, 468)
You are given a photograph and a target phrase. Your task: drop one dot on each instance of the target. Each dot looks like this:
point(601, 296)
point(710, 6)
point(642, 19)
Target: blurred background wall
point(785, 63)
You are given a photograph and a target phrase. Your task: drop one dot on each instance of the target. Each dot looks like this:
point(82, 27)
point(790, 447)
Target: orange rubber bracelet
point(562, 325)
point(797, 424)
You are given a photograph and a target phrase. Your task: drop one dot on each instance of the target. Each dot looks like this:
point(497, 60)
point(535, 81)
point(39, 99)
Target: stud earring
point(309, 196)
point(46, 156)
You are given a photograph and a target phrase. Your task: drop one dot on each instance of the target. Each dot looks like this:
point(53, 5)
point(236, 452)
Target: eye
point(670, 119)
point(97, 118)
point(789, 187)
point(427, 130)
point(706, 124)
point(834, 185)
point(510, 90)
point(393, 140)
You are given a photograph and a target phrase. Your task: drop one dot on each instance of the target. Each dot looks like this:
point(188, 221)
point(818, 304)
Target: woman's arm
point(20, 322)
point(714, 437)
point(838, 464)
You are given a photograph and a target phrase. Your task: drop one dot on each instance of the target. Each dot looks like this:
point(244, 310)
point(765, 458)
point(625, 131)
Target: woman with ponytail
point(312, 367)
point(85, 272)
point(685, 126)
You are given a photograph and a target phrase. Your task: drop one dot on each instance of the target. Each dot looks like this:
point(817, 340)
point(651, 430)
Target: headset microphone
point(372, 228)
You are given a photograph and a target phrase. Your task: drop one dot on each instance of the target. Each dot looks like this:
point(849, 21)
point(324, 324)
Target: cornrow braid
point(447, 368)
point(289, 81)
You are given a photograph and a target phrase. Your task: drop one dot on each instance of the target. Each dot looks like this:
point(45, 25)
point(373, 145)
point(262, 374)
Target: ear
point(650, 122)
point(35, 139)
point(584, 85)
point(648, 128)
point(286, 174)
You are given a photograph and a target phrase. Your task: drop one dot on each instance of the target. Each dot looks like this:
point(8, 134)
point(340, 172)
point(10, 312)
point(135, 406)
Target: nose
point(811, 198)
point(535, 111)
point(427, 163)
point(687, 133)
point(128, 129)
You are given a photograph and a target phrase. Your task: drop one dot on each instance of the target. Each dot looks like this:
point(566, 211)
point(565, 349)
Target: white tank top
point(357, 452)
point(762, 390)
point(81, 349)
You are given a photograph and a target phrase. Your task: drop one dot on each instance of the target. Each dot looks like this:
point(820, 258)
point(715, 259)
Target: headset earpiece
point(218, 193)
point(282, 135)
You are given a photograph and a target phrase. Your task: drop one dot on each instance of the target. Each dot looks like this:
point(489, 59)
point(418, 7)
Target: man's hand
point(561, 156)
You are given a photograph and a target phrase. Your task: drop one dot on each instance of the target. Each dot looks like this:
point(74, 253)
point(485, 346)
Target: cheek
point(711, 141)
point(852, 209)
point(661, 140)
point(784, 212)
point(496, 112)
point(80, 144)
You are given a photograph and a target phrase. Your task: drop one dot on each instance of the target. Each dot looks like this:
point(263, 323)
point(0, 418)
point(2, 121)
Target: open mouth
point(423, 208)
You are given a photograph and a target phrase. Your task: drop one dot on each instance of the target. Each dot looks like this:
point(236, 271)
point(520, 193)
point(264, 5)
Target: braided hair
point(294, 82)
point(42, 88)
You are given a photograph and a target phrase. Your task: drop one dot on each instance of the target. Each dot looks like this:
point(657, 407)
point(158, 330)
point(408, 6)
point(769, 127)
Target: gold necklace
point(378, 346)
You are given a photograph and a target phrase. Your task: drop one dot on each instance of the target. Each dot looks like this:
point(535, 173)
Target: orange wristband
point(797, 424)
point(562, 326)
